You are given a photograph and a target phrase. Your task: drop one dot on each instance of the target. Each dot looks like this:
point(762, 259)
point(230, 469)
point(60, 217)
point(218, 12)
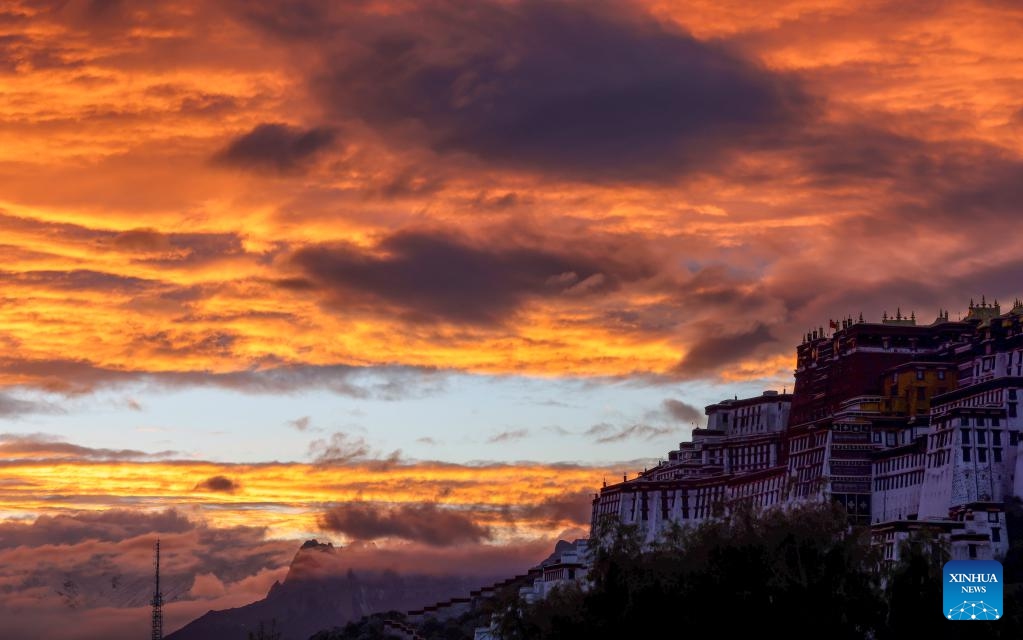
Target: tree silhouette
point(803, 566)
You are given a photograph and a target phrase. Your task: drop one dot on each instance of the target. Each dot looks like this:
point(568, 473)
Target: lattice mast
point(157, 599)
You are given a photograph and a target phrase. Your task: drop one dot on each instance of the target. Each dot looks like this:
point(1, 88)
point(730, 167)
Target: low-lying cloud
point(426, 523)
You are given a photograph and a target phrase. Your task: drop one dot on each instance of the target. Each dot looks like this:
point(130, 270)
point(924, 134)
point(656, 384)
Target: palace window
point(981, 455)
point(981, 436)
point(997, 454)
point(996, 438)
point(966, 454)
point(966, 436)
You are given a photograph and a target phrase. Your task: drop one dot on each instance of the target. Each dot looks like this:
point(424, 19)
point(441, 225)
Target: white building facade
point(908, 426)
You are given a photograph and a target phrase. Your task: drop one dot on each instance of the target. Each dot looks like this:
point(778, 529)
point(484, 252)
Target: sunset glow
point(264, 261)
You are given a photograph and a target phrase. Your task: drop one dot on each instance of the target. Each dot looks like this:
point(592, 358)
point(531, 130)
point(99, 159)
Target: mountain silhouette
point(319, 592)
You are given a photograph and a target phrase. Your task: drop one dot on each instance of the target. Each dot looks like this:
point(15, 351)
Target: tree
point(803, 565)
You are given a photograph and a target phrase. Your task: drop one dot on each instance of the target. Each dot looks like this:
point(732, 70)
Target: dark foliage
point(803, 569)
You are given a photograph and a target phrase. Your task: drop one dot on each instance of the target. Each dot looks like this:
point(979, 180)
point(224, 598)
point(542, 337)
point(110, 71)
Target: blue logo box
point(973, 590)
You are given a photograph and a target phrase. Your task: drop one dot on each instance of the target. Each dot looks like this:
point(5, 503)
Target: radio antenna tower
point(157, 600)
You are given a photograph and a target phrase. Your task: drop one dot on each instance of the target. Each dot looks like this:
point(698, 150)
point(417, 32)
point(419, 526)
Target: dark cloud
point(681, 411)
point(13, 407)
point(425, 523)
point(509, 436)
point(607, 433)
point(82, 376)
point(841, 156)
point(340, 448)
point(149, 245)
point(209, 104)
point(985, 186)
point(142, 240)
point(179, 248)
point(593, 91)
point(927, 185)
point(24, 54)
point(296, 20)
point(276, 147)
point(433, 277)
point(112, 525)
point(717, 351)
point(77, 280)
point(575, 508)
point(43, 446)
point(218, 484)
point(167, 343)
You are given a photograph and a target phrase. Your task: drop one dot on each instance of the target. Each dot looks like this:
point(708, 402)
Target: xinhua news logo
point(973, 590)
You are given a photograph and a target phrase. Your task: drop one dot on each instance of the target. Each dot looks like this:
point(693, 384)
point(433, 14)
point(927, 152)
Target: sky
point(417, 277)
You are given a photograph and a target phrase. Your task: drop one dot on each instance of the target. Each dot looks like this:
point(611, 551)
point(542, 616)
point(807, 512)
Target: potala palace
point(906, 425)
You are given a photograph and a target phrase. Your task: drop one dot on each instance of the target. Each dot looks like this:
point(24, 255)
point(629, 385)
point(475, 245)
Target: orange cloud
point(295, 500)
point(108, 154)
point(361, 197)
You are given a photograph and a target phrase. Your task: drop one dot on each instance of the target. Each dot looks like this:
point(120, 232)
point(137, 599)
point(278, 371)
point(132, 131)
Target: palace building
point(906, 425)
